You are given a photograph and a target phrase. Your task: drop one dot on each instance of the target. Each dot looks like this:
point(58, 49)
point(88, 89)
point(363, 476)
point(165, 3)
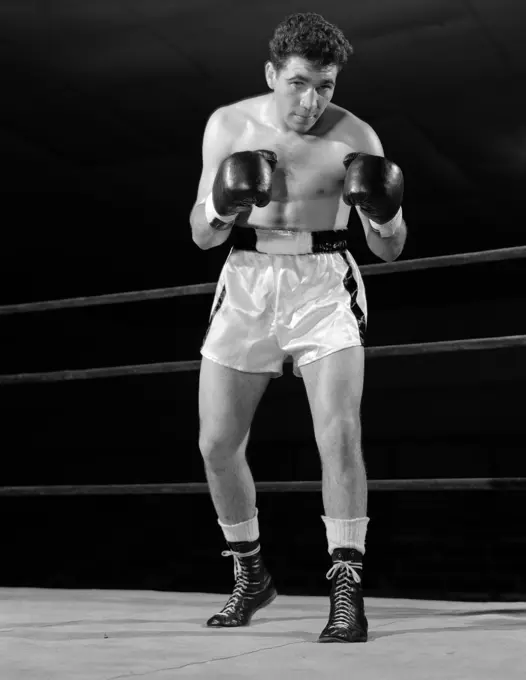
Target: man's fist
point(243, 180)
point(374, 184)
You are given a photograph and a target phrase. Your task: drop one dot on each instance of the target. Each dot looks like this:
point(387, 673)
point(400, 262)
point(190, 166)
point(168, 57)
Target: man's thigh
point(227, 402)
point(334, 386)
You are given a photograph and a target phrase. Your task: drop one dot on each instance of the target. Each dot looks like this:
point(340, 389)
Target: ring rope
point(459, 484)
point(206, 288)
point(179, 366)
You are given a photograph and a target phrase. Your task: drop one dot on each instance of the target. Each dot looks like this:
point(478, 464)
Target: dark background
point(102, 110)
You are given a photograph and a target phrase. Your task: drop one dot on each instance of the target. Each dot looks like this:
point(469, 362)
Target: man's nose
point(309, 99)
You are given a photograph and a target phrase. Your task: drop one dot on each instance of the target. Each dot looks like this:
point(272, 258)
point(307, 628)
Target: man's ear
point(270, 74)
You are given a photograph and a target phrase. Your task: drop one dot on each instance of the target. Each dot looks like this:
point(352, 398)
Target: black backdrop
point(101, 120)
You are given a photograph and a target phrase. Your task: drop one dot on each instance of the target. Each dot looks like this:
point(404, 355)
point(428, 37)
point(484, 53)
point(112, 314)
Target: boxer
point(281, 173)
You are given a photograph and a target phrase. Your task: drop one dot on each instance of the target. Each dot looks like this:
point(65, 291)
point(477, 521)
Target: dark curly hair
point(310, 36)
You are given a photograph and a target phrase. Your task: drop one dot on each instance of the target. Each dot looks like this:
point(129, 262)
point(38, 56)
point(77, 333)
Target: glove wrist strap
point(216, 221)
point(389, 228)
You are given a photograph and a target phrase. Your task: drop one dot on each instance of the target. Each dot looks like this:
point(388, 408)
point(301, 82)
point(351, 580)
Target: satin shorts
point(269, 305)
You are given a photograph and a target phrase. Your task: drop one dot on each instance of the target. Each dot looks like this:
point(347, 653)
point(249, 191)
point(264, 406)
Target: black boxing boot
point(347, 621)
point(253, 589)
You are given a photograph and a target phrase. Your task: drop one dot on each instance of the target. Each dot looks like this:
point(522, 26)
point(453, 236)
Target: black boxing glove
point(376, 186)
point(243, 180)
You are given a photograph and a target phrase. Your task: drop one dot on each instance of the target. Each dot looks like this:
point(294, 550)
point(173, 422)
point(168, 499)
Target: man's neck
point(271, 117)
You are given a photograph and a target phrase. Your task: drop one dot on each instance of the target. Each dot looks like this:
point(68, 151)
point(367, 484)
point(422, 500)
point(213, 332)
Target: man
point(281, 172)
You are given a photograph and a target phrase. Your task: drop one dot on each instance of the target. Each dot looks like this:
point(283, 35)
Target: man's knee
point(339, 437)
point(217, 445)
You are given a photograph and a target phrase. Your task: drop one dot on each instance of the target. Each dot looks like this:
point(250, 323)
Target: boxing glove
point(243, 180)
point(376, 186)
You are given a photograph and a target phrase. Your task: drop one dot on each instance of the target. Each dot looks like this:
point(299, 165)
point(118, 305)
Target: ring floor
point(113, 635)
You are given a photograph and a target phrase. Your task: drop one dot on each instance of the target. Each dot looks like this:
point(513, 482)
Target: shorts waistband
point(286, 242)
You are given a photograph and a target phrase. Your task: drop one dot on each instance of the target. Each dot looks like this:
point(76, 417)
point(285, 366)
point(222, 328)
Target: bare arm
point(387, 249)
point(217, 144)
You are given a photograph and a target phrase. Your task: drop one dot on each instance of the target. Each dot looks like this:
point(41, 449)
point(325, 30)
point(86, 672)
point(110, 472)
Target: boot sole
point(268, 601)
point(337, 639)
point(265, 603)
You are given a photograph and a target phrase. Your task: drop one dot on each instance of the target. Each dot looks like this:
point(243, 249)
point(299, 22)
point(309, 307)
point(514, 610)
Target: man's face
point(302, 91)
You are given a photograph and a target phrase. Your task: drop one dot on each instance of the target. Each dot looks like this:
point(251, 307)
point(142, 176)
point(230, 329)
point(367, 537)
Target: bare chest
point(306, 169)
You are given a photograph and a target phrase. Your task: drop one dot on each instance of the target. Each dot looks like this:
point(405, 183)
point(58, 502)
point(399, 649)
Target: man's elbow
point(201, 245)
point(195, 237)
point(196, 233)
point(199, 242)
point(205, 240)
point(392, 254)
point(385, 251)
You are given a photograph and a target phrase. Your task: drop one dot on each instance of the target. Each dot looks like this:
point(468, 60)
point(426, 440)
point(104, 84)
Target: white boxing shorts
point(282, 293)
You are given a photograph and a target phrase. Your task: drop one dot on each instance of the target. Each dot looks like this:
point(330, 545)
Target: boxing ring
point(122, 634)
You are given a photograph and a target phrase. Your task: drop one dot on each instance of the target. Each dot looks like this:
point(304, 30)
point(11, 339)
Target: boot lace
point(242, 577)
point(347, 577)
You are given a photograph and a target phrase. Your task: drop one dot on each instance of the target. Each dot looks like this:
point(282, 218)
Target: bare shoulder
point(225, 120)
point(233, 118)
point(353, 131)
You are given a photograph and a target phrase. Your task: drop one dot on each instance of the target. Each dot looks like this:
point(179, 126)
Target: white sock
point(244, 531)
point(346, 533)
